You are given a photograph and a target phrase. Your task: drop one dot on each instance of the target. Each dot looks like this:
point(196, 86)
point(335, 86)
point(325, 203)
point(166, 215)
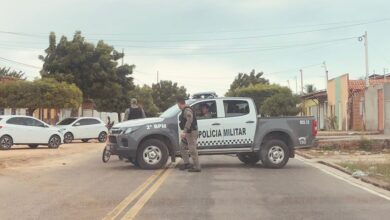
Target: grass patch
point(378, 170)
point(365, 144)
point(329, 148)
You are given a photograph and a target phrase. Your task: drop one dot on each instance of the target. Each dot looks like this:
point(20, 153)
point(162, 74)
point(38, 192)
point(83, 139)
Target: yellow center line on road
point(133, 195)
point(136, 208)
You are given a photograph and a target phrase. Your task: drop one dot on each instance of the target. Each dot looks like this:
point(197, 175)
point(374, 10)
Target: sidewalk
point(346, 133)
point(353, 137)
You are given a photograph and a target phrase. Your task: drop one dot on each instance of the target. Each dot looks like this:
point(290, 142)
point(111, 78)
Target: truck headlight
point(127, 131)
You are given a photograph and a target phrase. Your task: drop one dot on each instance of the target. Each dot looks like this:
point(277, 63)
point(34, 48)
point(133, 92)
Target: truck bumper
point(313, 144)
point(123, 146)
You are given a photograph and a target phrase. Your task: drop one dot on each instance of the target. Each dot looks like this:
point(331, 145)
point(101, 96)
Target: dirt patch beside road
point(365, 164)
point(22, 156)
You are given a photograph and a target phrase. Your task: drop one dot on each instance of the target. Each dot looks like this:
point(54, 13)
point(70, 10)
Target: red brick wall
point(380, 110)
point(357, 120)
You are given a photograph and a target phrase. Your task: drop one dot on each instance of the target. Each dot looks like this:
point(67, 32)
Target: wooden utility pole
point(301, 80)
point(365, 38)
point(326, 75)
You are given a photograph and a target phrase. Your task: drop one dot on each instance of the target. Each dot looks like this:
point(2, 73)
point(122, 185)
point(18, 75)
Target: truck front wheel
point(248, 158)
point(274, 154)
point(152, 154)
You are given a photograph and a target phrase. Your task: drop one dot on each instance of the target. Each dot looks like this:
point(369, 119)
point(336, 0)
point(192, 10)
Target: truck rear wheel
point(248, 158)
point(152, 154)
point(274, 154)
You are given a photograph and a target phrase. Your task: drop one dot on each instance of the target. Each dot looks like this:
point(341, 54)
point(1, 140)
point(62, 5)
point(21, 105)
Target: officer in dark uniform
point(189, 137)
point(134, 111)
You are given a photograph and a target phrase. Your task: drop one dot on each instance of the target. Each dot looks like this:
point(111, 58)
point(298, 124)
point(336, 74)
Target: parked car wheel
point(54, 141)
point(152, 154)
point(102, 137)
point(248, 158)
point(68, 138)
point(274, 154)
point(33, 146)
point(84, 140)
point(6, 142)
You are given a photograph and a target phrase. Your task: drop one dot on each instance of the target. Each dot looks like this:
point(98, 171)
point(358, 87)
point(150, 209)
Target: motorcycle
point(106, 154)
point(106, 151)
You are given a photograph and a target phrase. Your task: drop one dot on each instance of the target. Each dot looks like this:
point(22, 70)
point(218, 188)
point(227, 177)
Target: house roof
point(361, 84)
point(356, 84)
point(321, 94)
point(6, 78)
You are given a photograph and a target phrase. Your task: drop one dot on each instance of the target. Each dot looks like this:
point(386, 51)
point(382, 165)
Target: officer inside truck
point(205, 109)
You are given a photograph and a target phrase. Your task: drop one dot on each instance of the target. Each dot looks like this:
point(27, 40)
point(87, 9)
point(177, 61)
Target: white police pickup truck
point(231, 127)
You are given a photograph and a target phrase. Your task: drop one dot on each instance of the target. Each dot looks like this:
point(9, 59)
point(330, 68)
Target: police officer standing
point(189, 137)
point(134, 111)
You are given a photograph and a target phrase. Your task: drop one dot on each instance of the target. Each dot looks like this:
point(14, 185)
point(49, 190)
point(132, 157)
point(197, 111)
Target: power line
point(257, 36)
point(246, 50)
point(227, 31)
point(20, 63)
point(22, 34)
point(251, 46)
point(295, 68)
point(225, 39)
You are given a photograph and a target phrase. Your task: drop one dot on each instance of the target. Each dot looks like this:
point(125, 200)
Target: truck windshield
point(174, 110)
point(67, 121)
point(170, 112)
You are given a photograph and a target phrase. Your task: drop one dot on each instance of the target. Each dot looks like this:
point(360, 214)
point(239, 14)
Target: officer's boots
point(185, 166)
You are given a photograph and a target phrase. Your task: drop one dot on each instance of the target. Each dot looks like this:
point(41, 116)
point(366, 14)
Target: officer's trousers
point(190, 149)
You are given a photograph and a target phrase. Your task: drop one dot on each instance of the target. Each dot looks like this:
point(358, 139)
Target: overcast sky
point(204, 44)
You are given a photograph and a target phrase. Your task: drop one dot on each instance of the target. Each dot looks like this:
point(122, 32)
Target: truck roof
point(223, 98)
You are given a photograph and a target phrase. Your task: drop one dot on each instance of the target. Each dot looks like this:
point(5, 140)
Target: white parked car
point(18, 129)
point(83, 128)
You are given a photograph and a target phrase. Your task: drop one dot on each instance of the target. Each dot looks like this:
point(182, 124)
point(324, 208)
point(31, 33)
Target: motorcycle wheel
point(106, 155)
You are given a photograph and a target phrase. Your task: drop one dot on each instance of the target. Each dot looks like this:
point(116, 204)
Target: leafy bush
point(281, 104)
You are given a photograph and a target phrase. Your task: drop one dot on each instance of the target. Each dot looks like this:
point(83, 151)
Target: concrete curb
point(376, 182)
point(335, 166)
point(304, 155)
point(366, 179)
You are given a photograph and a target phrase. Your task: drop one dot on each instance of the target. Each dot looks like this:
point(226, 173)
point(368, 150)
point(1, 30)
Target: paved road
point(85, 188)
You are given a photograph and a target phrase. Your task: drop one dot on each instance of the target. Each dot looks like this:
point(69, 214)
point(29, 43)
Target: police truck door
point(239, 123)
point(209, 125)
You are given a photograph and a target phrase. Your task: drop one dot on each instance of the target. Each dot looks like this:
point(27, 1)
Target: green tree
point(165, 94)
point(94, 69)
point(246, 79)
point(281, 104)
point(7, 72)
point(116, 96)
point(145, 99)
point(44, 93)
point(259, 92)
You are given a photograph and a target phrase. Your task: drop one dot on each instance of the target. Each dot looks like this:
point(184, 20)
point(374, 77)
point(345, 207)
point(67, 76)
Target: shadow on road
point(27, 148)
point(230, 165)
